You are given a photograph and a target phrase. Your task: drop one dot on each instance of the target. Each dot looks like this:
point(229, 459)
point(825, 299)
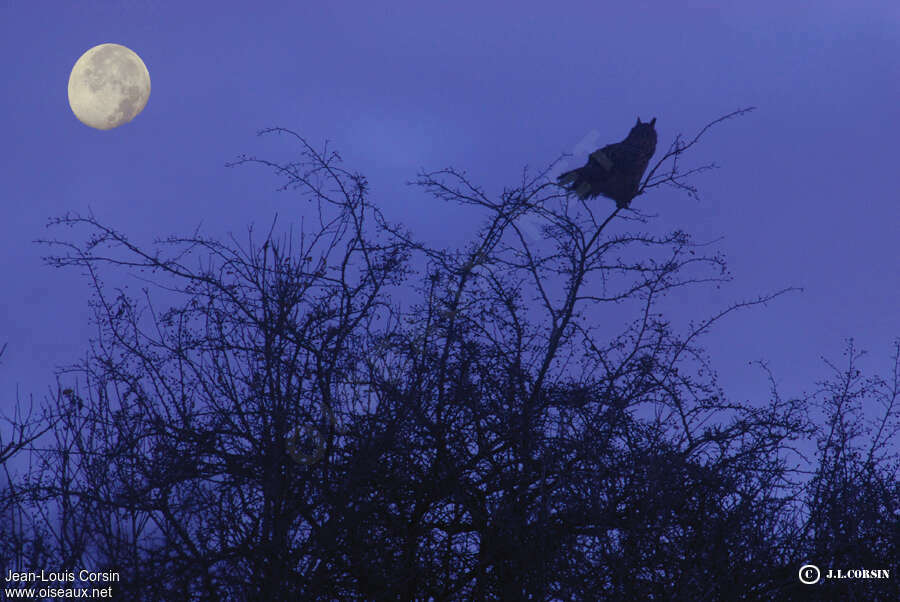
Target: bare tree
point(851, 514)
point(187, 441)
point(308, 421)
point(24, 426)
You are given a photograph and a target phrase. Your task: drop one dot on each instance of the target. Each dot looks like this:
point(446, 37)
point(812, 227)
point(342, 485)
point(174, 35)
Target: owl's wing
point(601, 158)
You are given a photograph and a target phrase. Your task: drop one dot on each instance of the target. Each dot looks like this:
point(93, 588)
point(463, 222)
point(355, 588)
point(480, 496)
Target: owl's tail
point(576, 182)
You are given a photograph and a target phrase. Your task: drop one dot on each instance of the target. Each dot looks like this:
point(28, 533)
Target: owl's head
point(644, 132)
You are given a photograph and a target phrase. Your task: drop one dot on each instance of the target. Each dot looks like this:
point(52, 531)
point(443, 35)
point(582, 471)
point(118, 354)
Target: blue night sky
point(807, 194)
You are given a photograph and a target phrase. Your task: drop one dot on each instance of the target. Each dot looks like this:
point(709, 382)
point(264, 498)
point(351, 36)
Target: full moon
point(109, 86)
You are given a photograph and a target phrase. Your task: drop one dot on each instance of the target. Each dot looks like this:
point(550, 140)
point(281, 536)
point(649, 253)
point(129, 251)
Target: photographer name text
point(63, 576)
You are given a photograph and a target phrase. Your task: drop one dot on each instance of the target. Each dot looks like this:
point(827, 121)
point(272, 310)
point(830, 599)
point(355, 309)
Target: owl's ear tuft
point(653, 121)
point(638, 122)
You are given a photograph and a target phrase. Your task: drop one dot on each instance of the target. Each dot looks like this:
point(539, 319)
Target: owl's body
point(615, 171)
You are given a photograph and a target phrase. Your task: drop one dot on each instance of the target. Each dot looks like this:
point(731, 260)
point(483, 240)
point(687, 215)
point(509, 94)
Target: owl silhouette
point(615, 171)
